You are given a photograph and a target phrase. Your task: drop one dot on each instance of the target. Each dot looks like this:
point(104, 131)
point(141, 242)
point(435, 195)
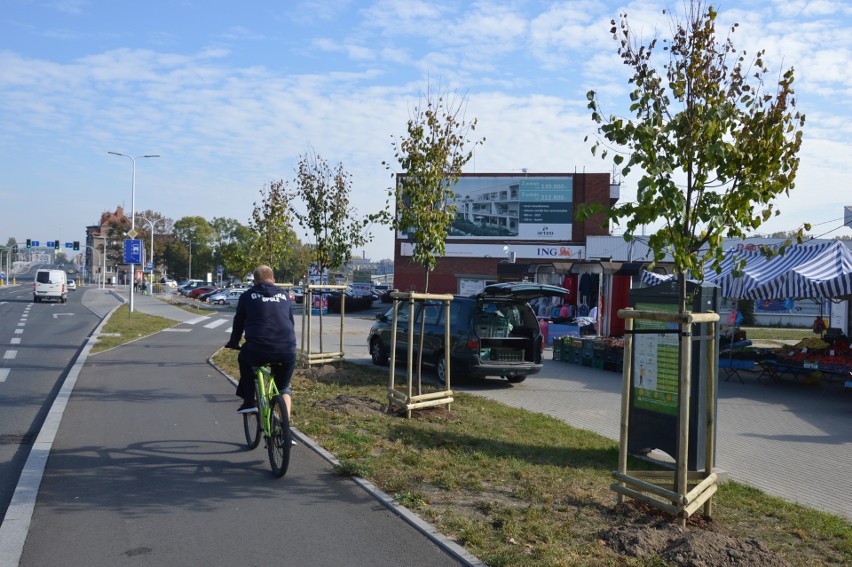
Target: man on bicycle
point(265, 314)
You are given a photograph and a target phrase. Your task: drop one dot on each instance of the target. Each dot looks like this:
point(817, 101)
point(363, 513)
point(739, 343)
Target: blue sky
point(230, 93)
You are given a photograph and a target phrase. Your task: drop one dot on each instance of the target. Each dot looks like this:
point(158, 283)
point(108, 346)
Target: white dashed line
point(4, 373)
point(10, 354)
point(196, 320)
point(215, 323)
point(15, 341)
point(176, 330)
point(22, 323)
point(19, 331)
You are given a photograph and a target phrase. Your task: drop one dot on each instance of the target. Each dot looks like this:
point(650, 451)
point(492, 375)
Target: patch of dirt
point(645, 534)
point(352, 405)
point(329, 373)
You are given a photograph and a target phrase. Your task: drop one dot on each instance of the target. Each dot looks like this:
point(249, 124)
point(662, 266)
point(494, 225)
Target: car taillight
point(473, 344)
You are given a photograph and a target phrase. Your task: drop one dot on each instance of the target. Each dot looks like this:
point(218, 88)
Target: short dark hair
point(263, 274)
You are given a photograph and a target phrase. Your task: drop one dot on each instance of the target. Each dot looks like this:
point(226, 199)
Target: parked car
point(222, 296)
point(494, 333)
point(204, 296)
point(192, 285)
point(201, 290)
point(72, 285)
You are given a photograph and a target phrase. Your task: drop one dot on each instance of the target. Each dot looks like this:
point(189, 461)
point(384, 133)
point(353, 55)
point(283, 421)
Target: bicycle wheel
point(251, 426)
point(278, 443)
point(251, 422)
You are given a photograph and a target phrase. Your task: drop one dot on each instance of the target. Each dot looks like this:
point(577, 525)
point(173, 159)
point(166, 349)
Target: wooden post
point(626, 385)
point(710, 440)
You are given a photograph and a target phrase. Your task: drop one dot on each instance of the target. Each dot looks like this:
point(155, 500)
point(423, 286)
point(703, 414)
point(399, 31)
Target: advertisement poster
point(513, 208)
point(656, 363)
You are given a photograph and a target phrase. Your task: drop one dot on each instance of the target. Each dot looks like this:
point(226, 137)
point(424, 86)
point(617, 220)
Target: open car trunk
point(508, 332)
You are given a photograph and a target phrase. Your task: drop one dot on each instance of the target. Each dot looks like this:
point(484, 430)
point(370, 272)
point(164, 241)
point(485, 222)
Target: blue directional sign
point(132, 251)
point(69, 245)
point(35, 243)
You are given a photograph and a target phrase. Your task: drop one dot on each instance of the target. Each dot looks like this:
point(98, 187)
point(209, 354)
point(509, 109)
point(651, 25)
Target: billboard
point(512, 208)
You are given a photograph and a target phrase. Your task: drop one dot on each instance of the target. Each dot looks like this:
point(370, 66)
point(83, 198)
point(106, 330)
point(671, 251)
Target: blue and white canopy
point(804, 271)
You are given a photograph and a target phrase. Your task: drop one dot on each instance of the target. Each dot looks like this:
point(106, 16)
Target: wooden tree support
point(409, 400)
point(306, 357)
point(670, 491)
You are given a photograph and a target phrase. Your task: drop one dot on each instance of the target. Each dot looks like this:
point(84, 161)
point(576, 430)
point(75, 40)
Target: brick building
point(510, 227)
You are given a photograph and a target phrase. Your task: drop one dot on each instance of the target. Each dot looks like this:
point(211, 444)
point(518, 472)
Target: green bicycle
point(271, 419)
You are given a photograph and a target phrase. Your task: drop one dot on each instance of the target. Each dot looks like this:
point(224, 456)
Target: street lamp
point(133, 214)
point(151, 258)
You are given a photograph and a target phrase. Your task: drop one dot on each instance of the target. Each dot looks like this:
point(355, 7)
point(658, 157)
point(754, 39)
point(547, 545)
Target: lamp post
point(151, 258)
point(133, 214)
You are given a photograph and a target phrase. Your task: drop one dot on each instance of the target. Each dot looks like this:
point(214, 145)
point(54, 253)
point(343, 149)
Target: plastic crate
point(507, 354)
point(598, 363)
point(573, 354)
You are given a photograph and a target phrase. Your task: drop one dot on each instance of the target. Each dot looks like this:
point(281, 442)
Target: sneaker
point(248, 407)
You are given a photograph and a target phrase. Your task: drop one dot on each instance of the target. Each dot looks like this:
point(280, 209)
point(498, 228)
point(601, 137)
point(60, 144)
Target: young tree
point(329, 218)
point(271, 224)
point(715, 144)
point(431, 158)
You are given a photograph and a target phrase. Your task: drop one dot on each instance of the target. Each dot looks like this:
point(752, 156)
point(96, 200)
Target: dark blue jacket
point(265, 314)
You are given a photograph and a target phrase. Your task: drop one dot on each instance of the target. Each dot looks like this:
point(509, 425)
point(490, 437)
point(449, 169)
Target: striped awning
point(821, 270)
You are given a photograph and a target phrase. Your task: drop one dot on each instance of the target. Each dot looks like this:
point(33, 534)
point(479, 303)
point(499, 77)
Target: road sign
point(132, 251)
point(69, 245)
point(34, 243)
point(132, 233)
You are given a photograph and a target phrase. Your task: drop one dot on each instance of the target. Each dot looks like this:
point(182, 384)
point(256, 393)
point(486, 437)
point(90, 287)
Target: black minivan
point(494, 333)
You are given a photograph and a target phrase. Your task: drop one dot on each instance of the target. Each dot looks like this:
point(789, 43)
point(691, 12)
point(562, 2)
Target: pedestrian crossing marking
point(215, 323)
point(4, 373)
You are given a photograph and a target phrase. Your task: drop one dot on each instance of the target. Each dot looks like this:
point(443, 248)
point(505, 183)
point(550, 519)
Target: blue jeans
point(281, 364)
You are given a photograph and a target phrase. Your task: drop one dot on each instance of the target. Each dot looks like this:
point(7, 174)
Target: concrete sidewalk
point(103, 300)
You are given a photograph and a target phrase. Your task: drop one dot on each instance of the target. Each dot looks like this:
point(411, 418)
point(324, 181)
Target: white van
point(50, 284)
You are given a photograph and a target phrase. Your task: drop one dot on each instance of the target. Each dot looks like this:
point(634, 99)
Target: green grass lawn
point(514, 487)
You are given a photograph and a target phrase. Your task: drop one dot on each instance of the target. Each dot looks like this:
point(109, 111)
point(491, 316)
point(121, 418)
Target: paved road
point(149, 467)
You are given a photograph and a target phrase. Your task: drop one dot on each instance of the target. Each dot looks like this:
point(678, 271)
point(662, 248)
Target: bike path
point(149, 467)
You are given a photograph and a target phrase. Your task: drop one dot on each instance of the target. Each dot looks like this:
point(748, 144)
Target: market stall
point(819, 271)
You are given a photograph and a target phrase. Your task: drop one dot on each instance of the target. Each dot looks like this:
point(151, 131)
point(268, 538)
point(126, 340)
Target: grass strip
point(124, 326)
point(515, 487)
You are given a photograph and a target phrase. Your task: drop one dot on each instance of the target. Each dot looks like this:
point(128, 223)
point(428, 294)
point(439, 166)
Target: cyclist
point(265, 314)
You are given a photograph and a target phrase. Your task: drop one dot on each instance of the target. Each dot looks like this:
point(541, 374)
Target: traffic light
point(76, 245)
point(14, 249)
point(56, 245)
point(29, 242)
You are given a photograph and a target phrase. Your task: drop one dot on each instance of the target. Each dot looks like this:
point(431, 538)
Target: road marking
point(22, 323)
point(18, 331)
point(196, 320)
point(10, 354)
point(175, 330)
point(216, 323)
point(16, 340)
point(4, 373)
point(57, 315)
